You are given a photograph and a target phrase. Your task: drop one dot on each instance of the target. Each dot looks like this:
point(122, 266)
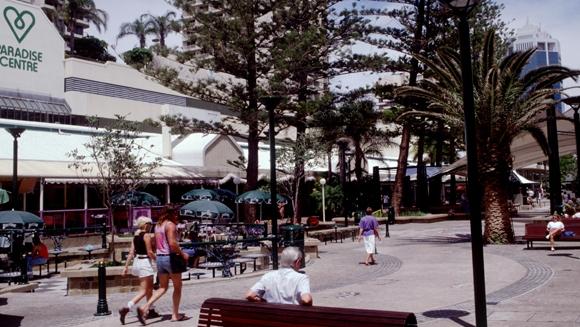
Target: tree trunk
point(298, 171)
point(72, 37)
point(406, 134)
point(142, 41)
point(358, 158)
point(401, 168)
point(329, 158)
point(496, 171)
point(422, 194)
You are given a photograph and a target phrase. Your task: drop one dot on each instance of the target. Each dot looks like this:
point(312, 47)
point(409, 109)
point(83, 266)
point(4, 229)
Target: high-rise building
point(51, 8)
point(547, 49)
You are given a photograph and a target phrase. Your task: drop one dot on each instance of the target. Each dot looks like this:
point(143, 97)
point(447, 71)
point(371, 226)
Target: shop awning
point(63, 172)
point(31, 103)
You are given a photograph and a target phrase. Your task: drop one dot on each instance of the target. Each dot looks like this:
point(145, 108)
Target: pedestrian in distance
point(286, 285)
point(554, 229)
point(171, 263)
point(369, 232)
point(142, 254)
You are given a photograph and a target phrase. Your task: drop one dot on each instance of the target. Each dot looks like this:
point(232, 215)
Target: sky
point(557, 17)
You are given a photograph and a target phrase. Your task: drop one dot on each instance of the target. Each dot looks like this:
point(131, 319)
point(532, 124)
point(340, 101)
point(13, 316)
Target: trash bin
point(391, 215)
point(357, 216)
point(293, 235)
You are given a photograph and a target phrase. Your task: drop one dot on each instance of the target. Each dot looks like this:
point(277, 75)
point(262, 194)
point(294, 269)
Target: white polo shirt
point(284, 286)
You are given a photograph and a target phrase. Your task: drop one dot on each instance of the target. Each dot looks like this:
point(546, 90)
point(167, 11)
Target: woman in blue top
point(369, 230)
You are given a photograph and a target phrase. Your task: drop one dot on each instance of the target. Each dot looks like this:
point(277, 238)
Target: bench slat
point(229, 313)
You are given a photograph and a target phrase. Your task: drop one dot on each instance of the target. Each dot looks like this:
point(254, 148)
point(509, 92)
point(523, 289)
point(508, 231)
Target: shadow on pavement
point(10, 321)
point(453, 315)
point(569, 255)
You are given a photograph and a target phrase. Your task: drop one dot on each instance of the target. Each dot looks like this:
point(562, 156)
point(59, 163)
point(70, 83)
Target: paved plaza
point(422, 268)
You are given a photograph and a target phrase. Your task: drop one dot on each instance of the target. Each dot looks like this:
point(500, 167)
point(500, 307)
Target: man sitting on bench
point(286, 285)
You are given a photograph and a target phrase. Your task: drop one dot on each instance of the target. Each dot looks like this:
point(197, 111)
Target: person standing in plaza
point(142, 254)
point(369, 231)
point(286, 285)
point(554, 229)
point(171, 263)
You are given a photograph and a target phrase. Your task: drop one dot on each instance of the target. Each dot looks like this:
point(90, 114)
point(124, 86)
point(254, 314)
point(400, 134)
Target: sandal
point(182, 317)
point(141, 316)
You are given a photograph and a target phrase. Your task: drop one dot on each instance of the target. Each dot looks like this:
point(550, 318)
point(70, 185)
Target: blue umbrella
point(259, 197)
point(20, 219)
point(225, 193)
point(200, 194)
point(206, 209)
point(135, 198)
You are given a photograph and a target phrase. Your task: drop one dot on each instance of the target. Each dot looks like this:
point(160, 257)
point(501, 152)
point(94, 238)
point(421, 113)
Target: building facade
point(547, 50)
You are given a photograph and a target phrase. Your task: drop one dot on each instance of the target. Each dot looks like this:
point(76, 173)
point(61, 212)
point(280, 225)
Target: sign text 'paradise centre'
point(20, 24)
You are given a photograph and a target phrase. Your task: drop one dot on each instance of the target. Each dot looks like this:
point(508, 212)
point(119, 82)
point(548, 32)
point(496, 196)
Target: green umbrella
point(135, 198)
point(206, 209)
point(200, 194)
point(259, 197)
point(20, 219)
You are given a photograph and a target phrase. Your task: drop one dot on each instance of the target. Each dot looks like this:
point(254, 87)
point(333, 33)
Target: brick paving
point(423, 268)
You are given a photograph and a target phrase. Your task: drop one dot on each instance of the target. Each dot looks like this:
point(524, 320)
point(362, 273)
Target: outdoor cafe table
point(56, 253)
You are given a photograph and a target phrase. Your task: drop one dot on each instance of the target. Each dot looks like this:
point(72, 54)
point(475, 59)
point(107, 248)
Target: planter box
point(83, 280)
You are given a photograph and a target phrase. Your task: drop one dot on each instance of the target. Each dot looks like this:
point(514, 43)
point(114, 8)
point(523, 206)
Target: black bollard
point(104, 235)
point(24, 269)
point(102, 307)
point(387, 229)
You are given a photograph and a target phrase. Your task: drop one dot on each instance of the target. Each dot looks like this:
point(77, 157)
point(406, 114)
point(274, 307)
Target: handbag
point(568, 233)
point(178, 264)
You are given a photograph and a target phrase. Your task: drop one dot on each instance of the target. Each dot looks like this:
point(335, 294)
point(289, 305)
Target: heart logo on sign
point(20, 23)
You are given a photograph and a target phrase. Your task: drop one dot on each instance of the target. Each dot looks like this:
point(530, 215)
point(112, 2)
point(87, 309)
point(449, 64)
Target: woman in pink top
point(166, 245)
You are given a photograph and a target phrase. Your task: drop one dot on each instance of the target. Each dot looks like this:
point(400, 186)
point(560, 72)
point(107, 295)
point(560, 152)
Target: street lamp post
point(271, 102)
point(15, 132)
point(237, 181)
point(574, 103)
point(323, 182)
point(462, 9)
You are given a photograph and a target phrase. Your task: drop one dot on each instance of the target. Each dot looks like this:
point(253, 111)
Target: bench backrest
point(535, 229)
point(230, 313)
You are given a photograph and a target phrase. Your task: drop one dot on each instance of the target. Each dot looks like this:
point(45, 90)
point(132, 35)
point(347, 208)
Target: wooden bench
point(537, 232)
point(230, 313)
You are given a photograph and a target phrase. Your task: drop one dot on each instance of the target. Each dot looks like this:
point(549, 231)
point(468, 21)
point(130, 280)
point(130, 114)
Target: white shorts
point(142, 267)
point(369, 242)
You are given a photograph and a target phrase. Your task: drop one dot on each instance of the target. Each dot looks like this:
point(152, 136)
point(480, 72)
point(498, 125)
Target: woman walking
point(170, 264)
point(368, 231)
point(142, 255)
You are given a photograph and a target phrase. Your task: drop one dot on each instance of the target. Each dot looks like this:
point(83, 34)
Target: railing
point(85, 218)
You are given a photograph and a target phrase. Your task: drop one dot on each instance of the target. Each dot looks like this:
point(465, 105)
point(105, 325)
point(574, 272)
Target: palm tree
point(507, 103)
point(163, 25)
point(139, 27)
point(74, 10)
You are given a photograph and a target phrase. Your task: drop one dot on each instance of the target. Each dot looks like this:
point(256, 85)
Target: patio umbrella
point(225, 193)
point(135, 198)
point(4, 196)
point(201, 194)
point(206, 209)
point(19, 219)
point(259, 197)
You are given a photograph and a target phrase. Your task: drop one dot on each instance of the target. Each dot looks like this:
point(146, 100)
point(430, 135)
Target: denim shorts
point(163, 265)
